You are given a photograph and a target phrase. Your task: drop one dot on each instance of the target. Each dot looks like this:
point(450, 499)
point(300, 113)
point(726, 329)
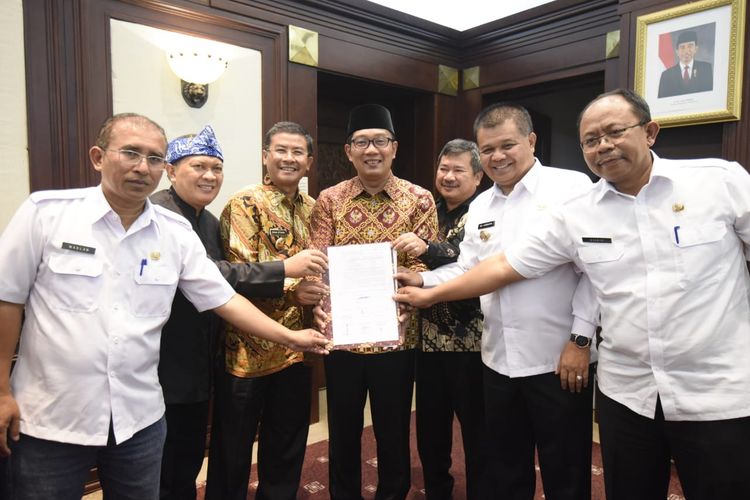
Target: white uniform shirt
point(526, 324)
point(668, 268)
point(96, 298)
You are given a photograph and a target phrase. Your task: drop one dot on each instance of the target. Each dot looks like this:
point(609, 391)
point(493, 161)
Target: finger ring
point(578, 377)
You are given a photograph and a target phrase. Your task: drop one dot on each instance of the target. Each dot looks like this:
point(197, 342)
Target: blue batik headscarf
point(203, 144)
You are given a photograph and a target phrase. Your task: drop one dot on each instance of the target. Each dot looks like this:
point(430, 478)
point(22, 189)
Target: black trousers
point(712, 457)
point(277, 407)
point(449, 383)
point(528, 413)
point(184, 449)
point(389, 380)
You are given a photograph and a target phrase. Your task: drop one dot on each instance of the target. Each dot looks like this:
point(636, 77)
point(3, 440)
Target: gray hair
point(460, 146)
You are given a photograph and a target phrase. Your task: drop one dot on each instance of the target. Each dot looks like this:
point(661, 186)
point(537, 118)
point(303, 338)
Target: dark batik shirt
point(450, 326)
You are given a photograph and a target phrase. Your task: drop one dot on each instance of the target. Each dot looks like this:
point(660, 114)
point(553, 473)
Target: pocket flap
point(76, 265)
point(699, 235)
point(592, 254)
point(155, 275)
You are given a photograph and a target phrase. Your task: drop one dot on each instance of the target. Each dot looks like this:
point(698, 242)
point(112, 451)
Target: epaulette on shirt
point(173, 216)
point(59, 194)
point(700, 163)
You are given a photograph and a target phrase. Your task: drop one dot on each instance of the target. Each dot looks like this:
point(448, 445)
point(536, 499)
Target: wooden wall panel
point(736, 138)
point(364, 62)
point(356, 21)
point(68, 68)
point(302, 92)
point(545, 65)
point(68, 53)
point(57, 152)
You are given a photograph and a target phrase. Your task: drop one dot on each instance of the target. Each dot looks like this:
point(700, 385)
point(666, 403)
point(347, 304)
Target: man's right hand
point(308, 340)
point(417, 297)
point(10, 418)
point(408, 278)
point(305, 263)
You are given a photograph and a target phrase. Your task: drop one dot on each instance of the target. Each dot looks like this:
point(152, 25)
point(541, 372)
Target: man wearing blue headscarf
point(189, 339)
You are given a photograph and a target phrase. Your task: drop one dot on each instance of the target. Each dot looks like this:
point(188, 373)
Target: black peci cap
point(369, 116)
point(687, 36)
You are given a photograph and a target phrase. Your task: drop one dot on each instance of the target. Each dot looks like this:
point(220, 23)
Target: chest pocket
point(699, 252)
point(600, 253)
point(76, 282)
point(154, 290)
point(602, 263)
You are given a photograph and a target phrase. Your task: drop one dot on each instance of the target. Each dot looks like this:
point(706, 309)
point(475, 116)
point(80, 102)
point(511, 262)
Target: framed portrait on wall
point(688, 62)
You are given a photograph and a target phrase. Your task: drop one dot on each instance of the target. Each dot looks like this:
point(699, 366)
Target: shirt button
point(116, 307)
point(112, 374)
point(116, 340)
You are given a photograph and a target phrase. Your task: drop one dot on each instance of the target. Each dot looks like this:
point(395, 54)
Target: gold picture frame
point(688, 83)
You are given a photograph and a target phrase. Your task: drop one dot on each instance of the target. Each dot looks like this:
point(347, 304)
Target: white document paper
point(362, 286)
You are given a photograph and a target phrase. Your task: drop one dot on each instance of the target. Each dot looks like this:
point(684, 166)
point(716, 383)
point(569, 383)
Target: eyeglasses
point(132, 158)
point(297, 154)
point(613, 137)
point(379, 142)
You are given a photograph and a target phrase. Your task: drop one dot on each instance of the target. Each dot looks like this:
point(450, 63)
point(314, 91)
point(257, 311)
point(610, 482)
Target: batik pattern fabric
point(346, 214)
point(450, 326)
point(202, 144)
point(261, 224)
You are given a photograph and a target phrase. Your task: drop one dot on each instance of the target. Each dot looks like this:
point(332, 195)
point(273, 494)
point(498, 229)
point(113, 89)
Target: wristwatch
point(580, 341)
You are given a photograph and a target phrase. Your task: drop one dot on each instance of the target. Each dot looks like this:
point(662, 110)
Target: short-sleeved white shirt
point(668, 268)
point(526, 324)
point(96, 299)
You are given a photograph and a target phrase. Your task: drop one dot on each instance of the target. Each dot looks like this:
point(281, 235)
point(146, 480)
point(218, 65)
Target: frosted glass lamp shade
point(196, 66)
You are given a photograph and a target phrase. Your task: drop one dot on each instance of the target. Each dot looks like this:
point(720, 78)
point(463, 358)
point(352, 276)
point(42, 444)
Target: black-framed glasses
point(132, 158)
point(613, 136)
point(379, 142)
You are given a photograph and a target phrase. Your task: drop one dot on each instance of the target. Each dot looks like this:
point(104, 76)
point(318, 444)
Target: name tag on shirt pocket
point(592, 254)
point(701, 234)
point(155, 291)
point(75, 282)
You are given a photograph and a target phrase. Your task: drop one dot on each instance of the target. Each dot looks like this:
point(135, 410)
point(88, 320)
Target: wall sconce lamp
point(196, 69)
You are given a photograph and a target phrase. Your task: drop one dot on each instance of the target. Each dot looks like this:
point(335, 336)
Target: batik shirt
point(450, 326)
point(260, 224)
point(346, 214)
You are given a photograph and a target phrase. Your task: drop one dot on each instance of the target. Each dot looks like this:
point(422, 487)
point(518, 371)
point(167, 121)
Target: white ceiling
point(462, 14)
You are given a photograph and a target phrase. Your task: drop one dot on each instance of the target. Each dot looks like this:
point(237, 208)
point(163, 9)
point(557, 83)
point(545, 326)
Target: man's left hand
point(574, 367)
point(310, 292)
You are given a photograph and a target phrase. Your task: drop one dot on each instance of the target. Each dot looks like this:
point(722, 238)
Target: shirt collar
point(603, 188)
point(186, 210)
point(99, 207)
point(276, 197)
point(529, 182)
point(390, 188)
point(442, 206)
